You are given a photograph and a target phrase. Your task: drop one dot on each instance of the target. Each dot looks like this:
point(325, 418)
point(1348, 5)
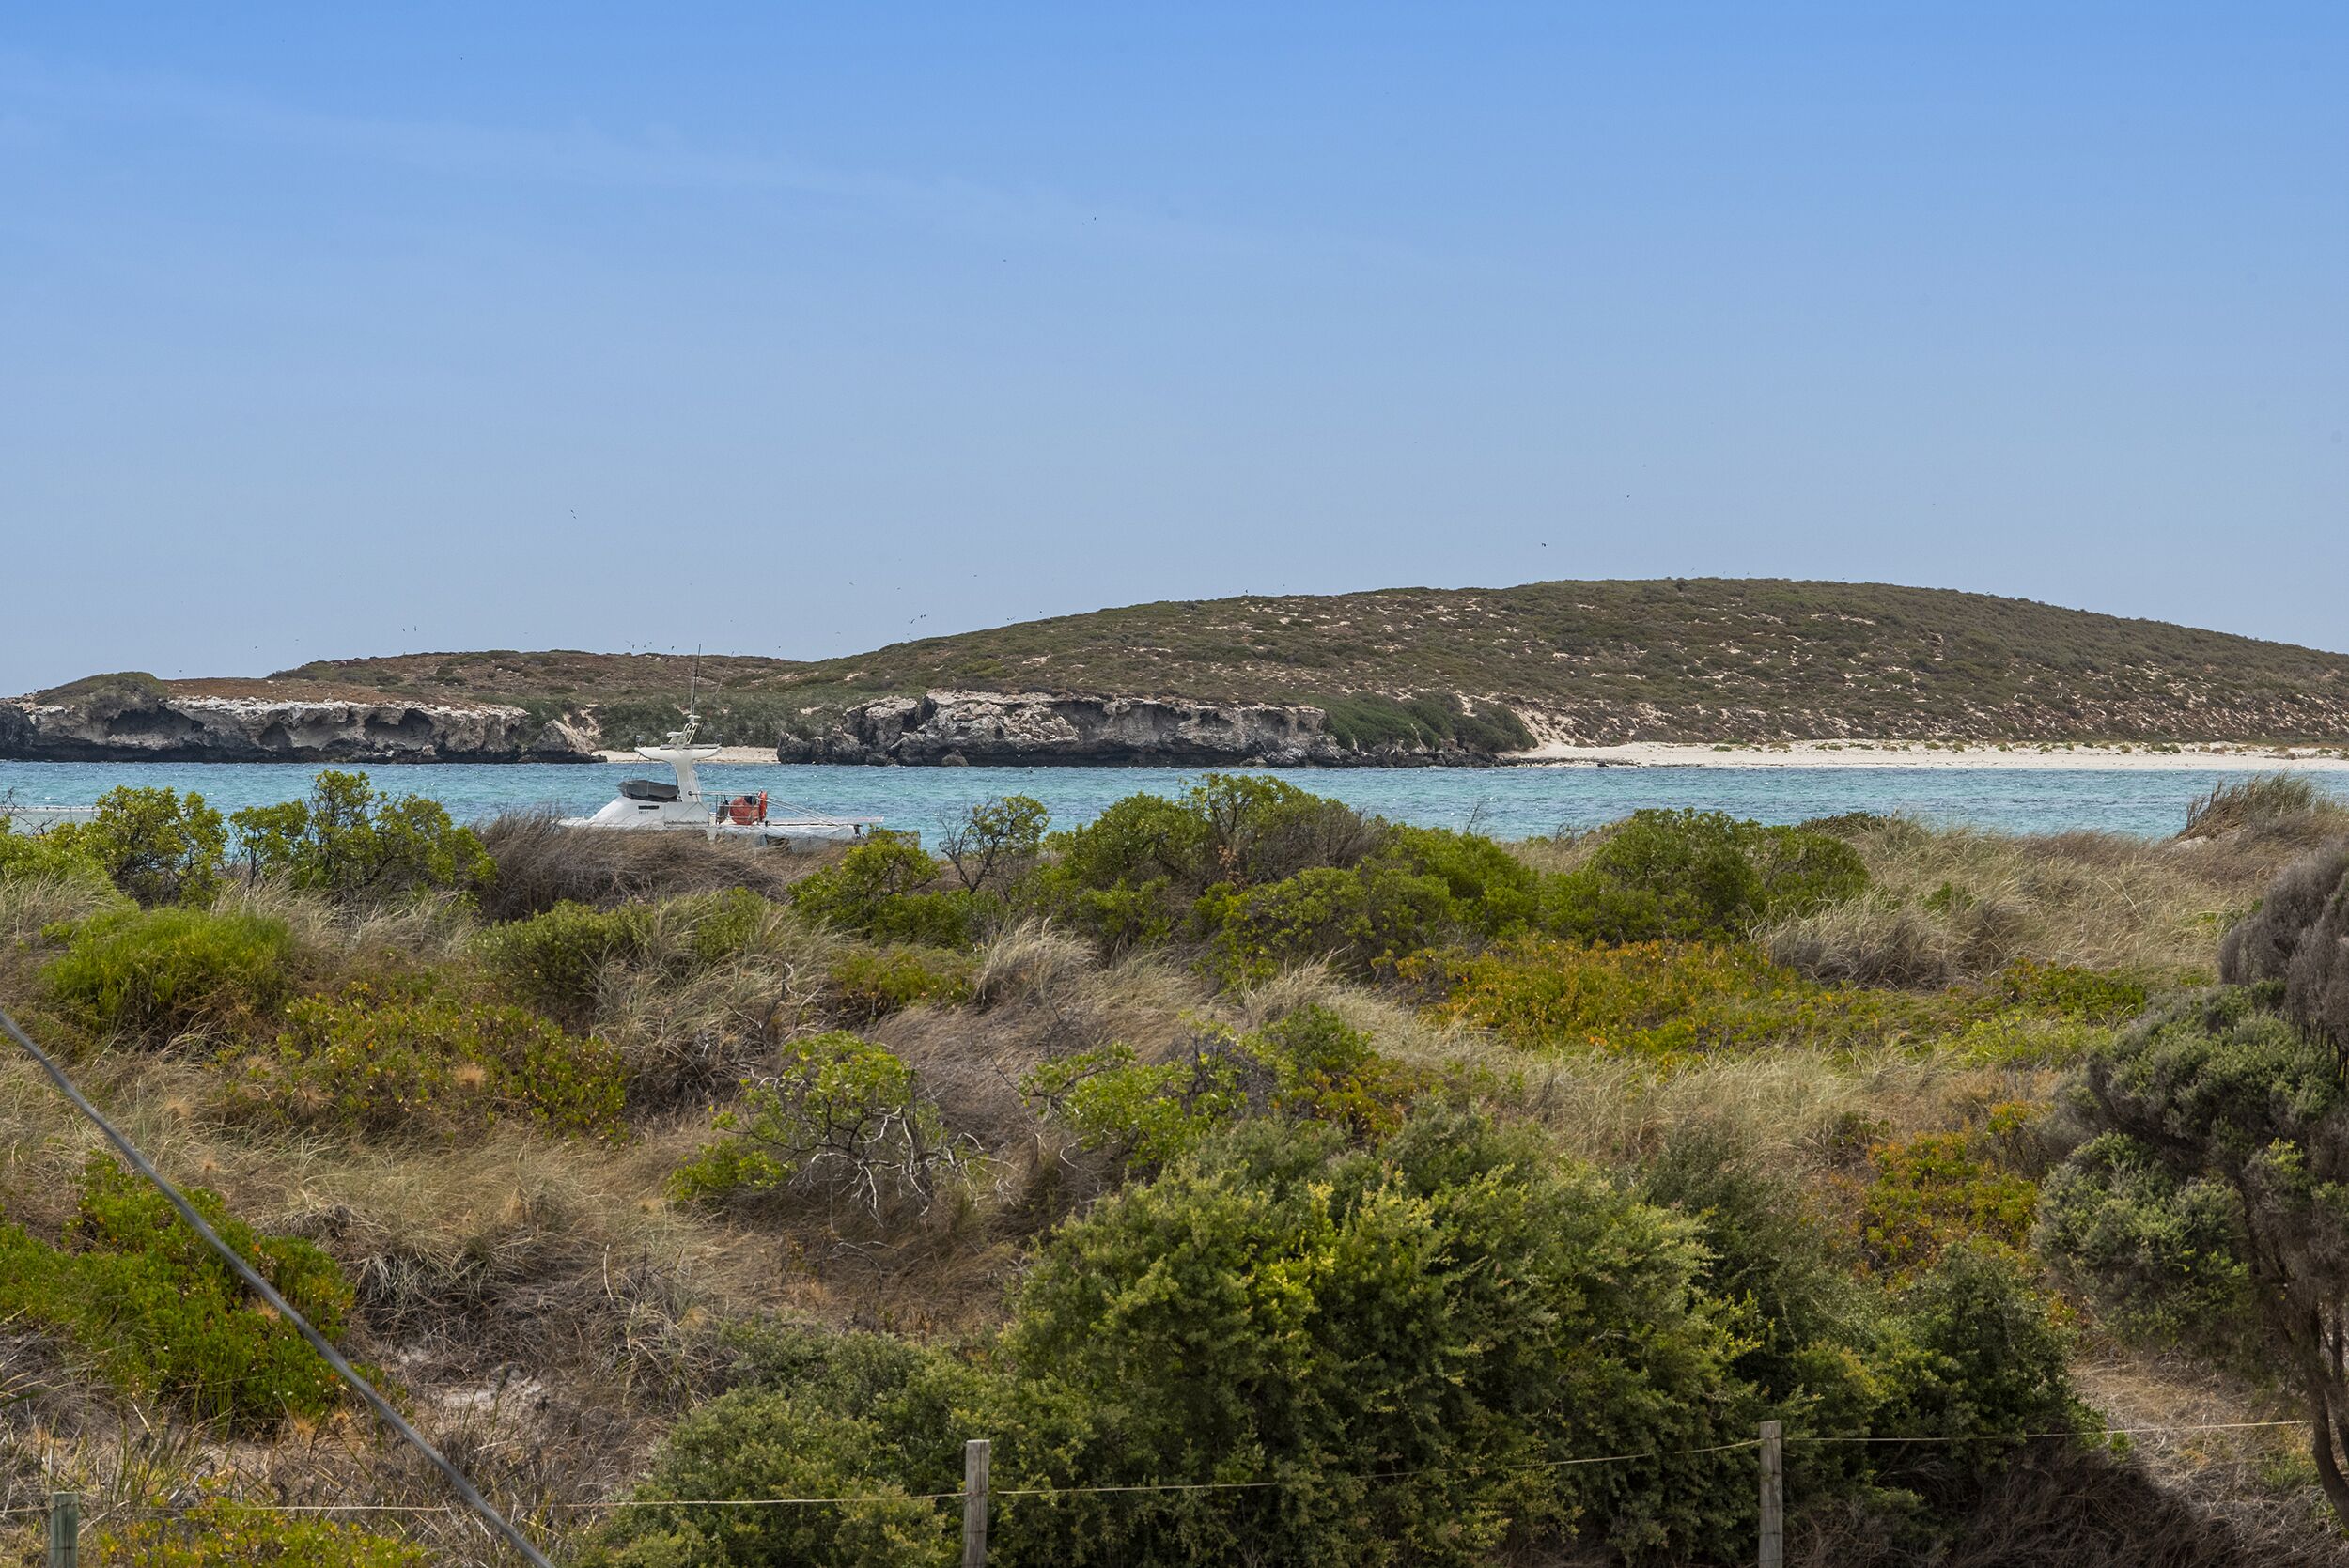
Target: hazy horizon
point(327, 334)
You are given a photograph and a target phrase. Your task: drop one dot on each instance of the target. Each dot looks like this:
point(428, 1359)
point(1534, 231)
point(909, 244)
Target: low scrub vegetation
point(1266, 1181)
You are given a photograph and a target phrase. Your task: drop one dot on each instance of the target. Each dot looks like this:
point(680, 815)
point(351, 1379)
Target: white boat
point(649, 805)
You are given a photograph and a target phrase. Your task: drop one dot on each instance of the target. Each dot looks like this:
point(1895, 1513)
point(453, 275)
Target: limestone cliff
point(139, 719)
point(990, 728)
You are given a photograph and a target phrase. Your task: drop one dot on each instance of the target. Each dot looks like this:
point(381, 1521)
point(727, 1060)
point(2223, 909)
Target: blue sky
point(799, 330)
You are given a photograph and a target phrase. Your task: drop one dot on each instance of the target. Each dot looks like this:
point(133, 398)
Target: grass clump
point(556, 961)
point(139, 1293)
point(373, 1065)
point(2272, 805)
point(155, 974)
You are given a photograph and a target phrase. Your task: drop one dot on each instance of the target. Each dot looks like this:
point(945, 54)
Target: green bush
point(1940, 1189)
point(840, 1115)
point(371, 1064)
point(1685, 875)
point(59, 854)
point(994, 847)
point(1494, 893)
point(137, 1291)
point(2163, 1255)
point(357, 845)
point(871, 982)
point(158, 973)
point(1409, 1338)
point(223, 1532)
point(1310, 1064)
point(881, 889)
point(1975, 1365)
point(821, 1415)
point(555, 961)
point(157, 845)
point(1364, 919)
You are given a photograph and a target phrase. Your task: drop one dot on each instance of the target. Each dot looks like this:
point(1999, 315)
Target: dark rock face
point(991, 729)
point(188, 728)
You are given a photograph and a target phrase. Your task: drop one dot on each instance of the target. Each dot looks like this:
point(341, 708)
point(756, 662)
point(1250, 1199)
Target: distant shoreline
point(2052, 756)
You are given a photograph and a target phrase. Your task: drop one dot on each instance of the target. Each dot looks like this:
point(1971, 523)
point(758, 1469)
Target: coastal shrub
point(1934, 1190)
point(840, 1115)
point(139, 1293)
point(1667, 999)
point(2211, 1097)
point(1971, 1368)
point(159, 973)
point(357, 845)
point(1310, 1064)
point(221, 1531)
point(1414, 1340)
point(2260, 945)
point(871, 982)
point(819, 1415)
point(1408, 1337)
point(2162, 1253)
point(1494, 893)
point(391, 1065)
point(994, 846)
point(2070, 991)
point(1763, 1248)
point(58, 855)
point(1685, 875)
point(156, 845)
point(1360, 918)
point(555, 961)
point(882, 889)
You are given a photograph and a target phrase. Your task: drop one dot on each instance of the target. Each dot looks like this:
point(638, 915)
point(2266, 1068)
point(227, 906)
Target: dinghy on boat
point(649, 804)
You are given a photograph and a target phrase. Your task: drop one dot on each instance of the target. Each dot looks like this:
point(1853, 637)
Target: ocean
point(1507, 802)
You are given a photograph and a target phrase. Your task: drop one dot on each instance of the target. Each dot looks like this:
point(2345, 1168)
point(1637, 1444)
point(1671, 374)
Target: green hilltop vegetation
point(1267, 1183)
point(1698, 659)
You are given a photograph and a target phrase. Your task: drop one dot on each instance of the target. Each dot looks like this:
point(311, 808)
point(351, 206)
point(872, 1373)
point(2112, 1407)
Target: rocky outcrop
point(166, 726)
point(987, 728)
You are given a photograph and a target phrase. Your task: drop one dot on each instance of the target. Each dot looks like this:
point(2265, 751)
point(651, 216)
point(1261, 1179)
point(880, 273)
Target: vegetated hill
point(1701, 658)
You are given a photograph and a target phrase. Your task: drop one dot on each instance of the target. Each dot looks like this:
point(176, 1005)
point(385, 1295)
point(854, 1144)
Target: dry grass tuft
point(1960, 904)
point(27, 905)
point(1030, 962)
point(541, 863)
point(2287, 807)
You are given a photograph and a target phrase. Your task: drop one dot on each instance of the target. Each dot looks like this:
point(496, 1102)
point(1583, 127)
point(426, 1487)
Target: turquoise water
point(1509, 802)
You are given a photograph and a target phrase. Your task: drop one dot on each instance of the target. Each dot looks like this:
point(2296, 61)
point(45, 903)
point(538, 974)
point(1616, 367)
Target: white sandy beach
point(2212, 756)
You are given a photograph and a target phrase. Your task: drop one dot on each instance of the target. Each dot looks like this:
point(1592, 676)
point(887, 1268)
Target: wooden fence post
point(1773, 1553)
point(974, 1503)
point(65, 1530)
